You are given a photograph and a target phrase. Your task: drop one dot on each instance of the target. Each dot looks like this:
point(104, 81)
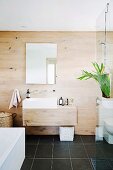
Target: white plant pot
point(107, 102)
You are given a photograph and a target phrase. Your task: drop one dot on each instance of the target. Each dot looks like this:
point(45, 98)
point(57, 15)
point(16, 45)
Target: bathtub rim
point(6, 153)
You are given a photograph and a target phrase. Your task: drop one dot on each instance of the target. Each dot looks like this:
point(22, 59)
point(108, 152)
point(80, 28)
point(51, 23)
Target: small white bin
point(66, 133)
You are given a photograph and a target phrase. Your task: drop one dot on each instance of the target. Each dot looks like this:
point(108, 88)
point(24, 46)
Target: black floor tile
point(30, 150)
point(94, 151)
point(111, 162)
point(31, 139)
point(101, 164)
point(82, 148)
point(61, 151)
point(44, 151)
point(91, 150)
point(77, 151)
point(61, 164)
point(46, 139)
point(81, 164)
point(27, 164)
point(88, 138)
point(77, 139)
point(42, 164)
point(57, 140)
point(108, 150)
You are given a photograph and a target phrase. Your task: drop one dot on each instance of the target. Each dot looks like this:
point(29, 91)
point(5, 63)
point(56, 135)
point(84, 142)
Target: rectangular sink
point(39, 103)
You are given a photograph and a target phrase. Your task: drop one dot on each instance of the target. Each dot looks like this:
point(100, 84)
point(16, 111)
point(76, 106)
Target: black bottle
point(61, 101)
point(28, 94)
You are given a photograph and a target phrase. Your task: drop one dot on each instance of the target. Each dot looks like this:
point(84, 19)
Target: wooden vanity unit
point(60, 116)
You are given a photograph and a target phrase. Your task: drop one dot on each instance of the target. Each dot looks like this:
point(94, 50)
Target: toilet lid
point(109, 121)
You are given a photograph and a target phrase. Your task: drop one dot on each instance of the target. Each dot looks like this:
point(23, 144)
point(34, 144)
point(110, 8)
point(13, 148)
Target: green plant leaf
point(97, 68)
point(104, 82)
point(100, 76)
point(102, 68)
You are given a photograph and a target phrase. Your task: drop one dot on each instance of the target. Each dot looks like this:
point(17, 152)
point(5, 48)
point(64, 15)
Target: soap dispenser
point(61, 101)
point(28, 94)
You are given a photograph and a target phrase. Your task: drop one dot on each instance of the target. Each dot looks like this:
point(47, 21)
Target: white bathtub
point(12, 148)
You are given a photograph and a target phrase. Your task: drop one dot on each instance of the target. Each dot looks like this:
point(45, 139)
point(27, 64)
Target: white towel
point(15, 99)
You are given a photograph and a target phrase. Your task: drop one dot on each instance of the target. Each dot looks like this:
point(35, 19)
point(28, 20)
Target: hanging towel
point(15, 100)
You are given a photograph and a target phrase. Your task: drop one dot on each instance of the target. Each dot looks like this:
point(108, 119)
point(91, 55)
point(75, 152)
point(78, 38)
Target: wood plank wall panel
point(76, 51)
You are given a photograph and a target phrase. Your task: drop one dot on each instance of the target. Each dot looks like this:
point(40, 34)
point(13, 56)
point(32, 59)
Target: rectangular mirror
point(41, 63)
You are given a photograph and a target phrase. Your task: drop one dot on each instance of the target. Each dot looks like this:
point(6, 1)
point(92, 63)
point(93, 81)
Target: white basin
point(41, 103)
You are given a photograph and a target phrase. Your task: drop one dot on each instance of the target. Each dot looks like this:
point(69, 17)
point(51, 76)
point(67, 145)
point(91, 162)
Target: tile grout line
point(55, 158)
point(109, 164)
point(70, 157)
point(52, 147)
point(52, 154)
point(96, 158)
point(35, 154)
point(87, 154)
point(106, 159)
point(93, 164)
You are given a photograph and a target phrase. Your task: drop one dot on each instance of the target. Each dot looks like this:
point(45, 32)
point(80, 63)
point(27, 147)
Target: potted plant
point(103, 78)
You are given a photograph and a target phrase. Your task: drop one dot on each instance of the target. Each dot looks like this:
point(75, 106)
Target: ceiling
point(50, 15)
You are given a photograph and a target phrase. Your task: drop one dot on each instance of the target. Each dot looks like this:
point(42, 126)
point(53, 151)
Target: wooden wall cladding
point(76, 51)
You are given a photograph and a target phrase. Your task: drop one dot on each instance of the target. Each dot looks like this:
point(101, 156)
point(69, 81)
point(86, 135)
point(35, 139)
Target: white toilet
point(108, 130)
point(105, 123)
